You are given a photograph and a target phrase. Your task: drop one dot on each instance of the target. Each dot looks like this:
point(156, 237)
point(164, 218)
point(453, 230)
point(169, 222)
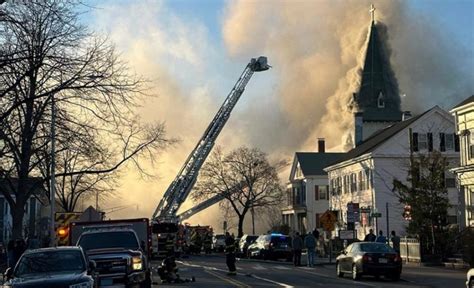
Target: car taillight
point(397, 259)
point(366, 258)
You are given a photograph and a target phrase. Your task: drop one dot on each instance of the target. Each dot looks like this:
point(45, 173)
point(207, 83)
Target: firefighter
point(230, 254)
point(197, 243)
point(207, 243)
point(169, 246)
point(168, 272)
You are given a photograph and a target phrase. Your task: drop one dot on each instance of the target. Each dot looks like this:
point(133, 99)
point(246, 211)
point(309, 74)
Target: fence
point(410, 249)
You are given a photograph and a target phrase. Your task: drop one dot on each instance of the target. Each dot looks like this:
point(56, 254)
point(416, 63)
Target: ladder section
point(179, 189)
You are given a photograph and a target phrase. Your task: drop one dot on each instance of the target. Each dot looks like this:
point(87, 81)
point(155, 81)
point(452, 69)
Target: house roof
point(380, 137)
point(466, 101)
point(313, 163)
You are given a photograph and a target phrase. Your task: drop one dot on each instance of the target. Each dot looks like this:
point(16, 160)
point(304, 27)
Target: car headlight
point(137, 263)
point(81, 285)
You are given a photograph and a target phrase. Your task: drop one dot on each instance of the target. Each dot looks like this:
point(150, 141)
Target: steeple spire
point(378, 97)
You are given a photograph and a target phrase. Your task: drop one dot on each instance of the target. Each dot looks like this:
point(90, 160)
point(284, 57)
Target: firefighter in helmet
point(230, 253)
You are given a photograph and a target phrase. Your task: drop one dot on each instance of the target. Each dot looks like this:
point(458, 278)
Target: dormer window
point(381, 100)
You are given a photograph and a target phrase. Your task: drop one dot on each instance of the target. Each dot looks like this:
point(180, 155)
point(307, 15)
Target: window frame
point(381, 100)
point(422, 141)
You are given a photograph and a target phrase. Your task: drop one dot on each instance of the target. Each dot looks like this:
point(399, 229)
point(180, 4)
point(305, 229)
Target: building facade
point(34, 210)
point(365, 174)
point(464, 118)
point(307, 196)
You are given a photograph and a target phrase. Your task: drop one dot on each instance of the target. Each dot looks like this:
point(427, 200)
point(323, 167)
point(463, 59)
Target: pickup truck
point(119, 257)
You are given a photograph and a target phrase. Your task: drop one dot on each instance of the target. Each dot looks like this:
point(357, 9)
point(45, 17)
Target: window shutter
point(456, 142)
point(415, 142)
point(430, 142)
point(442, 145)
point(316, 192)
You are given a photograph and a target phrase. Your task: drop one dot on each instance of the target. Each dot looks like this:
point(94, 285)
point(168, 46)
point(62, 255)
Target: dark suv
point(118, 256)
point(271, 246)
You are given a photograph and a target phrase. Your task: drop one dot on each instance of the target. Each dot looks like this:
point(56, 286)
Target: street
point(211, 271)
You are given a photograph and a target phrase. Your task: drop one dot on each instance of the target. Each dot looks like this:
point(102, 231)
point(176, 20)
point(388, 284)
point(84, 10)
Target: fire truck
point(165, 220)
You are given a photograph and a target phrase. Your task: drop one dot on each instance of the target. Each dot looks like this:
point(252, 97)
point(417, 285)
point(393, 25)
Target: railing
point(410, 249)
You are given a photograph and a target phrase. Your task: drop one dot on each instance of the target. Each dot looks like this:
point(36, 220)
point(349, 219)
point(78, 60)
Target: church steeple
point(378, 96)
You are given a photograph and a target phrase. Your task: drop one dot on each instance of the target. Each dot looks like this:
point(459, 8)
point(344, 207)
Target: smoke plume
point(317, 51)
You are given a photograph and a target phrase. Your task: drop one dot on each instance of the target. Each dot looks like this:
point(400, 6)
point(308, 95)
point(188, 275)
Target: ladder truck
point(165, 220)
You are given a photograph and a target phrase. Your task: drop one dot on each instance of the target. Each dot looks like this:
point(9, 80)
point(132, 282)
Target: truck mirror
point(92, 267)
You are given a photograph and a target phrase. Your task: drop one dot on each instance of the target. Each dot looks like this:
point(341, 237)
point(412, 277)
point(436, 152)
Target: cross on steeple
point(372, 12)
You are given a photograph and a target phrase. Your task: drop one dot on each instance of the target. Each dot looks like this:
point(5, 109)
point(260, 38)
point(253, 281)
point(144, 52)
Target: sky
point(194, 51)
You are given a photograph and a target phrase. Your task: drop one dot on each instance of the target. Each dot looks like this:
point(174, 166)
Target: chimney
point(321, 145)
point(358, 117)
point(406, 115)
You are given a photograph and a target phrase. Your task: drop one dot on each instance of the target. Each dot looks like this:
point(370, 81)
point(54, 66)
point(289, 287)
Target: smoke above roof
point(319, 56)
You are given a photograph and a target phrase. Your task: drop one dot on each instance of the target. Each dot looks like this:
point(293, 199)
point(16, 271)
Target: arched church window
point(381, 100)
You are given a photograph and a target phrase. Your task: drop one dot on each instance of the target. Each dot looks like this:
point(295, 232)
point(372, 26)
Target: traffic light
point(407, 212)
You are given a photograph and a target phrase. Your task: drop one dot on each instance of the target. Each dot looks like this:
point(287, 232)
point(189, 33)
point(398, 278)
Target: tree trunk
point(241, 226)
point(433, 240)
point(17, 213)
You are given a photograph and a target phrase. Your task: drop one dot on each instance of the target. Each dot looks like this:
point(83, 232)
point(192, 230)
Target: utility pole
point(52, 189)
point(386, 215)
point(253, 221)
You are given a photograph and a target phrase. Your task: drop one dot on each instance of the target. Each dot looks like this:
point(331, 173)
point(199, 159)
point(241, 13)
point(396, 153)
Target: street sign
point(328, 219)
point(346, 234)
point(364, 210)
point(376, 214)
point(352, 212)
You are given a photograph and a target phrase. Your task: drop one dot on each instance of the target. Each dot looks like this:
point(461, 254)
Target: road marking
point(228, 280)
point(342, 279)
point(259, 267)
point(209, 268)
point(271, 281)
point(282, 268)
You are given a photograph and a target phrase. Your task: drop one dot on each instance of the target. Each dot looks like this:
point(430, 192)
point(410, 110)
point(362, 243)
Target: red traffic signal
point(407, 212)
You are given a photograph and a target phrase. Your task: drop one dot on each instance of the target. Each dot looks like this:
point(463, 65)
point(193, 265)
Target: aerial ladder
point(179, 189)
point(199, 207)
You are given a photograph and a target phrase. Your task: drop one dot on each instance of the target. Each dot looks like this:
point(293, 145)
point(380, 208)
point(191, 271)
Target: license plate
point(106, 282)
point(382, 260)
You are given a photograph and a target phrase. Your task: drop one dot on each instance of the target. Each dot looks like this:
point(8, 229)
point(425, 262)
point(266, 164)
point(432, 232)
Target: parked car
point(470, 278)
point(369, 258)
point(218, 242)
point(271, 246)
point(245, 242)
point(51, 267)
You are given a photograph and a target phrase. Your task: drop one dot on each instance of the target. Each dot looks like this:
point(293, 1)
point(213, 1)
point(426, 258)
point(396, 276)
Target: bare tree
point(271, 216)
point(94, 93)
point(245, 177)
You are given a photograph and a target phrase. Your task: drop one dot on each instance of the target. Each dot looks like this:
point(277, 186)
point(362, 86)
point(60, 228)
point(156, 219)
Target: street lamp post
point(52, 190)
